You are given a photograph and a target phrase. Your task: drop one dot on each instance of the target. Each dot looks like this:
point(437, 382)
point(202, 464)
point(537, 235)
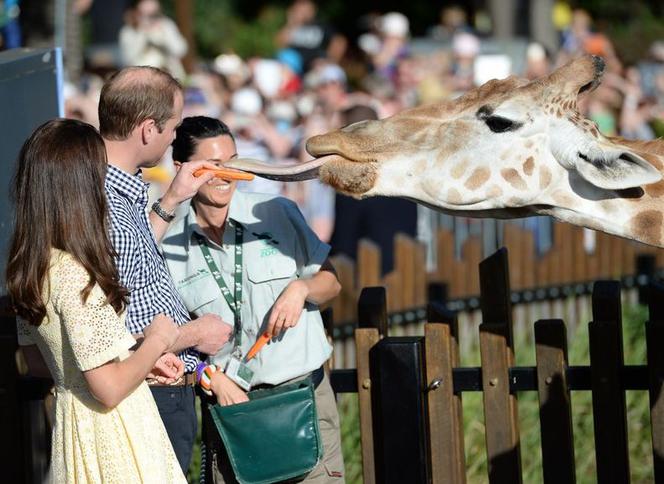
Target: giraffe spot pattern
point(529, 165)
point(513, 178)
point(544, 177)
point(453, 196)
point(478, 178)
point(655, 190)
point(647, 226)
point(494, 191)
point(459, 169)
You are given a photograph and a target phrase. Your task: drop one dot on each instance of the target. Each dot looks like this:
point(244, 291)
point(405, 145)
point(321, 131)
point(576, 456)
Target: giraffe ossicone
point(509, 148)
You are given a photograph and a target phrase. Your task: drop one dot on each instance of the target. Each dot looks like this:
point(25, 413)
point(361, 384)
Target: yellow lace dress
point(93, 444)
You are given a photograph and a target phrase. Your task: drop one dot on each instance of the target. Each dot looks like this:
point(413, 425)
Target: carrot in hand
point(258, 345)
point(226, 174)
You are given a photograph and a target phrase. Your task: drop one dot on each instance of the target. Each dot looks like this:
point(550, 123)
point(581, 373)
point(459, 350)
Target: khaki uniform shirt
point(278, 247)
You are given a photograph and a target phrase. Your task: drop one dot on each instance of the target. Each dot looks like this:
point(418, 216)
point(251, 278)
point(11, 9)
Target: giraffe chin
point(349, 177)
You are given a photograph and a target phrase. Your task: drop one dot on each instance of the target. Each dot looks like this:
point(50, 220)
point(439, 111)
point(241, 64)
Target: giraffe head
point(509, 148)
point(502, 149)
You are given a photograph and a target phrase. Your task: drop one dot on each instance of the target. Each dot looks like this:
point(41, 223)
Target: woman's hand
point(287, 309)
point(226, 391)
point(164, 329)
point(167, 369)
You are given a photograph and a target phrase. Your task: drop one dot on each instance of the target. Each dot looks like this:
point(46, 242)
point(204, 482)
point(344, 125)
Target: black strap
point(234, 301)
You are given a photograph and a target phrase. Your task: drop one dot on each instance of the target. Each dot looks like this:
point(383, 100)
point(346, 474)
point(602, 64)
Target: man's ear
point(177, 165)
point(148, 130)
point(615, 168)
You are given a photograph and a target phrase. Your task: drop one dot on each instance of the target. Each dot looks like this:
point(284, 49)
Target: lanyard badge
point(236, 369)
point(239, 372)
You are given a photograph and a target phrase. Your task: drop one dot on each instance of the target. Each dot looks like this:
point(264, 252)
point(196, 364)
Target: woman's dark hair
point(60, 203)
point(194, 129)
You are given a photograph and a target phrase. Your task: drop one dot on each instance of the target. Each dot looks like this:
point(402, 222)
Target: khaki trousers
point(330, 470)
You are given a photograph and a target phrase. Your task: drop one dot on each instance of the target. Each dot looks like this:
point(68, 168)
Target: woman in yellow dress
point(64, 286)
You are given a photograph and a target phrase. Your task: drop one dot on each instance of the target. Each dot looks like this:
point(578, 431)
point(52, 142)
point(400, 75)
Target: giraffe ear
point(616, 169)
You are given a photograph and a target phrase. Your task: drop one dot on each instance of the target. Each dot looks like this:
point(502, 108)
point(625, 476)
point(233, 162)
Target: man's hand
point(226, 391)
point(212, 333)
point(287, 308)
point(185, 185)
point(167, 369)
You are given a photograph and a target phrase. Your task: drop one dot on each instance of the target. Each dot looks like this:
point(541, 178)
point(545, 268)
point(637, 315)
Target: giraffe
point(509, 148)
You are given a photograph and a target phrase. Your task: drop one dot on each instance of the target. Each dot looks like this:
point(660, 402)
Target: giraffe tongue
point(290, 172)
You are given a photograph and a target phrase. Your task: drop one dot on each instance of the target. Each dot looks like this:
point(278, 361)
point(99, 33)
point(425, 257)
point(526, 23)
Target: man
point(139, 109)
point(254, 251)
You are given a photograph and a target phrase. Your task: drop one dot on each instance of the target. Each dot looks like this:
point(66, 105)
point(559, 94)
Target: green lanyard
point(234, 302)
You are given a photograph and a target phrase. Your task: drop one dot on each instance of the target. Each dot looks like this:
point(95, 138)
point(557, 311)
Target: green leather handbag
point(272, 437)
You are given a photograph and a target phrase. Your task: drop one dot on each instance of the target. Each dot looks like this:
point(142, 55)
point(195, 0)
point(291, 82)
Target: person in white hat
point(394, 29)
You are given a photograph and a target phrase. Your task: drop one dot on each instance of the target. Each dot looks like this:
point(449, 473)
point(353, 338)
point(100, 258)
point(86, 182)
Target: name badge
point(240, 373)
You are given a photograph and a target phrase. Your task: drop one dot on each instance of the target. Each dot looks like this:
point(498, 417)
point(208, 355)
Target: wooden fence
point(567, 261)
point(555, 284)
point(418, 437)
point(424, 370)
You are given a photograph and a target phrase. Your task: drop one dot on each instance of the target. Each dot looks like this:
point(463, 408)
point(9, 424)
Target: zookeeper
point(285, 274)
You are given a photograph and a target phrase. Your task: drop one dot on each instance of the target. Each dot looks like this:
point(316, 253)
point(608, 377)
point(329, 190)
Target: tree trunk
point(502, 17)
point(541, 24)
point(184, 17)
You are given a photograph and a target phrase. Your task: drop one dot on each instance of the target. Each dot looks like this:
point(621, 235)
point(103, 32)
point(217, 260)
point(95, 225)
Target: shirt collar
point(130, 186)
point(237, 212)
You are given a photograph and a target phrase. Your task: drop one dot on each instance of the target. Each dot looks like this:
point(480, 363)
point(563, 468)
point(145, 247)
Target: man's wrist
point(169, 203)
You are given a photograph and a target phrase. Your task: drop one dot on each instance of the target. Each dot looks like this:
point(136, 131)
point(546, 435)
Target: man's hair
point(194, 129)
point(132, 95)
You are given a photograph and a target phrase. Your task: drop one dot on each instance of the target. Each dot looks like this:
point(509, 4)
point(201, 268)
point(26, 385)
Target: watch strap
point(163, 214)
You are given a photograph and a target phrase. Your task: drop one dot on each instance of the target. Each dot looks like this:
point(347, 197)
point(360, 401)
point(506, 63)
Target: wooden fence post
point(399, 409)
point(654, 338)
point(606, 362)
point(345, 303)
point(372, 321)
point(368, 263)
point(446, 443)
point(497, 355)
point(404, 265)
point(554, 400)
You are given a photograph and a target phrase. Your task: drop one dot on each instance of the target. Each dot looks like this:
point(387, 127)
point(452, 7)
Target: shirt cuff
point(316, 260)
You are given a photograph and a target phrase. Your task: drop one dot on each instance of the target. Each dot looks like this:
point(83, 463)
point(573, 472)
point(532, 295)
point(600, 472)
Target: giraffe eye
point(498, 124)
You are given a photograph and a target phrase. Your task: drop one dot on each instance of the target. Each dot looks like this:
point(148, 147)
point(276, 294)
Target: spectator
point(65, 287)
point(287, 276)
point(394, 29)
point(310, 37)
point(149, 38)
point(139, 109)
point(453, 19)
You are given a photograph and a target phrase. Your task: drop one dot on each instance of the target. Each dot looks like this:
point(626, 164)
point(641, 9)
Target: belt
point(186, 380)
point(316, 378)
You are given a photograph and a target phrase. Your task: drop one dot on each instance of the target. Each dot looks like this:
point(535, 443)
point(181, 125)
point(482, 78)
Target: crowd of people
point(128, 306)
point(318, 80)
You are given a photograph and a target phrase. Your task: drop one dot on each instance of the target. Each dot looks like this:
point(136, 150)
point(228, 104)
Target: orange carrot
point(226, 174)
point(258, 345)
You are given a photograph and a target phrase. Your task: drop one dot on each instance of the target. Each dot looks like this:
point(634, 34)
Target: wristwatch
point(163, 214)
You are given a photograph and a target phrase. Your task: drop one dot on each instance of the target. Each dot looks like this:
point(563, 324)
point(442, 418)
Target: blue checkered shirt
point(141, 266)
